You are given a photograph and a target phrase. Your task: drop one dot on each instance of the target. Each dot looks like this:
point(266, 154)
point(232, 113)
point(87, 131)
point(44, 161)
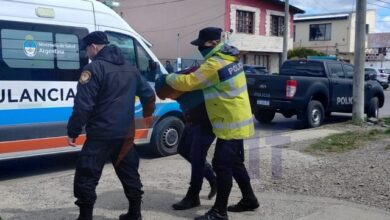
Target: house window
point(245, 22)
point(244, 59)
point(277, 25)
point(320, 32)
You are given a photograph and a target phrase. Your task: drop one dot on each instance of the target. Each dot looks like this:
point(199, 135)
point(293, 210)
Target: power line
point(383, 1)
point(184, 26)
point(151, 4)
point(378, 5)
point(187, 16)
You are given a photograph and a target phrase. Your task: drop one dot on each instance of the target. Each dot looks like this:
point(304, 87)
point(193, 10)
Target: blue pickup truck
point(310, 89)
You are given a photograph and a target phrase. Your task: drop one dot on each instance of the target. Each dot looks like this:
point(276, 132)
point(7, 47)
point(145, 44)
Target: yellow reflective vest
point(222, 79)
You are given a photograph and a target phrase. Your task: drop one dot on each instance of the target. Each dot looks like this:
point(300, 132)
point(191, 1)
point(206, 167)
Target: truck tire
point(166, 136)
point(314, 115)
point(264, 116)
point(373, 108)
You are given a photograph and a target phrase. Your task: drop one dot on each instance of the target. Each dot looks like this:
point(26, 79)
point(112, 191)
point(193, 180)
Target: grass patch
point(386, 120)
point(357, 122)
point(343, 142)
point(386, 148)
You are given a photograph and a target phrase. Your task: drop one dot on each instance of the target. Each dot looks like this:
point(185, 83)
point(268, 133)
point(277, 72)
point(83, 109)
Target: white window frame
point(268, 22)
point(233, 18)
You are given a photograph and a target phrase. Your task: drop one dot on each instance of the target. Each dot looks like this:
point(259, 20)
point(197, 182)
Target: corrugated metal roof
point(321, 16)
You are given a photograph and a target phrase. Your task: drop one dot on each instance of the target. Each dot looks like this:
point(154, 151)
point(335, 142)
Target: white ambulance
point(40, 64)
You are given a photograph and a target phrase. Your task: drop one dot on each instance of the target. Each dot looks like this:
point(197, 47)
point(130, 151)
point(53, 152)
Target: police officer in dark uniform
point(105, 105)
point(195, 141)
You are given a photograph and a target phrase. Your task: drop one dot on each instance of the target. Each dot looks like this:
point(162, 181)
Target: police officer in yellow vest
point(222, 80)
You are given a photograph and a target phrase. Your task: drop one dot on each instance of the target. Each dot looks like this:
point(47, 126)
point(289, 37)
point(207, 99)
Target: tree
point(302, 52)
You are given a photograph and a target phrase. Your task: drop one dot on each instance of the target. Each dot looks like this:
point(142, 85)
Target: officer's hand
point(72, 142)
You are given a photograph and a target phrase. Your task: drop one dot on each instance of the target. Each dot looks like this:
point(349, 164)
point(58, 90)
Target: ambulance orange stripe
point(48, 143)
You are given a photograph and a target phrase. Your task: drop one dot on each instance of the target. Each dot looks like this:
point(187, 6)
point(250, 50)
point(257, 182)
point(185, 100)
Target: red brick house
point(255, 27)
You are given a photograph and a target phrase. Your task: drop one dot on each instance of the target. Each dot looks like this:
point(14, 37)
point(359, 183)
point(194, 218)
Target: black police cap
point(96, 37)
point(206, 34)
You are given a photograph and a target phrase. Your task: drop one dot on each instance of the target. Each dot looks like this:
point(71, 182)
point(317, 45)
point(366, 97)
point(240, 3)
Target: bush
point(303, 53)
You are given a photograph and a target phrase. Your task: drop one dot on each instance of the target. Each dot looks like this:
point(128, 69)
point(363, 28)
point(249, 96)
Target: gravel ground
point(361, 175)
point(283, 177)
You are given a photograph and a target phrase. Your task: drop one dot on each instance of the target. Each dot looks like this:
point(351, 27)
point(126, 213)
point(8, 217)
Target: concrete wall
point(343, 34)
point(339, 35)
point(160, 23)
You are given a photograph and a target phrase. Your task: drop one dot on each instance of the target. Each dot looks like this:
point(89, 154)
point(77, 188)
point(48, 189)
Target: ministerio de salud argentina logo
point(30, 46)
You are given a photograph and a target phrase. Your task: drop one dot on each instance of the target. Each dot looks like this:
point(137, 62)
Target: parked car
point(310, 89)
point(388, 72)
point(253, 69)
point(382, 76)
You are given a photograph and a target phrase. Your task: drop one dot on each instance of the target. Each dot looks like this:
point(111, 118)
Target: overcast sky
point(327, 6)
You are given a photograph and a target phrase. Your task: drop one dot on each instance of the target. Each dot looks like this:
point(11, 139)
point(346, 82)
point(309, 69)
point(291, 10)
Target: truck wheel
point(314, 115)
point(166, 136)
point(373, 108)
point(264, 116)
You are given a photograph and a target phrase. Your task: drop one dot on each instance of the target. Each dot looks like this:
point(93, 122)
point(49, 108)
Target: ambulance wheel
point(166, 136)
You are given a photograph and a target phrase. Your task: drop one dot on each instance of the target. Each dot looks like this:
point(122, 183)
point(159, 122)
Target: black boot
point(134, 212)
point(191, 200)
point(244, 205)
point(86, 212)
point(213, 188)
point(213, 214)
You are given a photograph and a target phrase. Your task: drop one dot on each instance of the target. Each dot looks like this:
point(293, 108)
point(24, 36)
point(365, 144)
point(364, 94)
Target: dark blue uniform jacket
point(105, 104)
point(191, 103)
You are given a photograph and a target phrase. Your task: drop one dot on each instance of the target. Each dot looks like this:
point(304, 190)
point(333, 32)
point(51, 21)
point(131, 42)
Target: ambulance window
point(125, 43)
point(40, 52)
point(67, 50)
point(146, 65)
point(27, 49)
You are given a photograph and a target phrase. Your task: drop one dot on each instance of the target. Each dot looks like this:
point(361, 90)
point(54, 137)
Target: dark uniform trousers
point(93, 156)
point(228, 162)
point(194, 144)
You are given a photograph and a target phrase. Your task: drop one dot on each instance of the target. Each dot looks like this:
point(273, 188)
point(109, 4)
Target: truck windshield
point(302, 68)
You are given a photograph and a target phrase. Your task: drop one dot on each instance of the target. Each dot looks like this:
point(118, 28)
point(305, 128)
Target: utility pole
point(360, 46)
point(178, 60)
point(285, 31)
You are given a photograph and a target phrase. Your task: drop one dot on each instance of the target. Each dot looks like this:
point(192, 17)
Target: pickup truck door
point(340, 87)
